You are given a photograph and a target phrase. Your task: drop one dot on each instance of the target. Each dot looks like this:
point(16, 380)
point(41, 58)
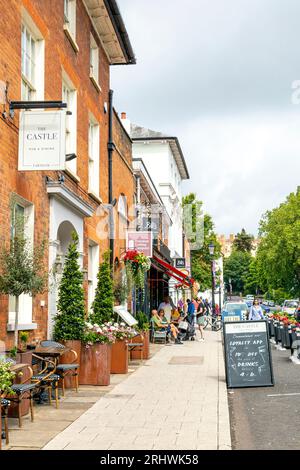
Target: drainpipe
point(110, 147)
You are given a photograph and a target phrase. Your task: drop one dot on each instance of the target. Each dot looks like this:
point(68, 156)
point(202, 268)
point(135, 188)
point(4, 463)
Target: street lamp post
point(211, 252)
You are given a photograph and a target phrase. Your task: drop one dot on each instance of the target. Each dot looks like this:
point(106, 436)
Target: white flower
point(122, 324)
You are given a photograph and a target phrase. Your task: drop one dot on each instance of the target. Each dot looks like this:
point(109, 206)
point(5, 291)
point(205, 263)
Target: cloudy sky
point(220, 74)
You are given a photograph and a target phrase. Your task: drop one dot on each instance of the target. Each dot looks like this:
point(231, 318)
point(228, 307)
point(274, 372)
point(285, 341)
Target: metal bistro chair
point(4, 405)
point(158, 336)
point(24, 391)
point(45, 377)
point(63, 370)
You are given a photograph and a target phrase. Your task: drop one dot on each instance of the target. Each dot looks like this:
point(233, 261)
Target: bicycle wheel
point(206, 322)
point(218, 325)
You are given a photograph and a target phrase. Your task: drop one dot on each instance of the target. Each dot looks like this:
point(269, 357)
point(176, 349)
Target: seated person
point(172, 328)
point(175, 319)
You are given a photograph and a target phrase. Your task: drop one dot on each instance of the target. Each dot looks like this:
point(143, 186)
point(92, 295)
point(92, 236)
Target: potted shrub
point(70, 318)
point(22, 269)
point(119, 350)
point(23, 356)
point(96, 355)
point(102, 307)
point(143, 337)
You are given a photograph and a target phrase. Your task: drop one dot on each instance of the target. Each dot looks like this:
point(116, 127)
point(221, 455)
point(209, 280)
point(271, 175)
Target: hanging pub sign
point(140, 241)
point(42, 140)
point(180, 263)
point(247, 354)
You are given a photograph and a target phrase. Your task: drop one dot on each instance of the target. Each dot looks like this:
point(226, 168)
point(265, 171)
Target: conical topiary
point(103, 304)
point(70, 319)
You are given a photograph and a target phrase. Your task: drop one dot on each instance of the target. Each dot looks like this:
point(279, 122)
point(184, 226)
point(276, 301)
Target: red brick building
point(62, 51)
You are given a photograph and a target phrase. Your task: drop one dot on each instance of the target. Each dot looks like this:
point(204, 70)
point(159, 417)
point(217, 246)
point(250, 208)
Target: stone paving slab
point(161, 406)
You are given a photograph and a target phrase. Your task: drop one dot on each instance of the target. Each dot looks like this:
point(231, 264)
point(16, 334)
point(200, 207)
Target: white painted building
point(163, 157)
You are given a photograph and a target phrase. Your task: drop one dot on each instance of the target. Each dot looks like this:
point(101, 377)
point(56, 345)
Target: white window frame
point(69, 96)
point(94, 62)
point(25, 300)
point(70, 22)
point(32, 80)
point(94, 156)
point(122, 207)
point(93, 265)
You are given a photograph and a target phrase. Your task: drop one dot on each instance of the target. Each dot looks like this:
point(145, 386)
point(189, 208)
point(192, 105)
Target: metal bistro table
point(53, 352)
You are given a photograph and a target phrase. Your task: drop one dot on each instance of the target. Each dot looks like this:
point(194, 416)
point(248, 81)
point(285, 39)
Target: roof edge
point(121, 31)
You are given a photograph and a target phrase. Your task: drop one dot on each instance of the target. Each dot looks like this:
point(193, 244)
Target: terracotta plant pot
point(68, 358)
point(119, 357)
point(135, 354)
point(95, 364)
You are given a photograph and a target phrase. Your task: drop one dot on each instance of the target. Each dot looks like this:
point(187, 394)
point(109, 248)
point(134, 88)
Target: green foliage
point(200, 257)
point(278, 254)
point(243, 241)
point(143, 322)
point(13, 352)
point(70, 319)
point(103, 304)
point(6, 378)
point(121, 287)
point(24, 336)
point(251, 279)
point(236, 268)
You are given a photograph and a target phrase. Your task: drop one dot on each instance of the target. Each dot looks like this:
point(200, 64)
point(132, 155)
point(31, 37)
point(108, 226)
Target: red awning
point(184, 279)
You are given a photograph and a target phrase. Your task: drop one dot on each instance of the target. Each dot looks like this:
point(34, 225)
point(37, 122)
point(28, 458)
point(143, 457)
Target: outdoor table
point(51, 351)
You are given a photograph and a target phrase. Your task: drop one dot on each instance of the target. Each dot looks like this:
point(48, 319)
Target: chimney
point(126, 123)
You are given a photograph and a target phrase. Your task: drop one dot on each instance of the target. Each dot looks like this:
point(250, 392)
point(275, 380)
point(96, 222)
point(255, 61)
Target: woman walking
point(256, 312)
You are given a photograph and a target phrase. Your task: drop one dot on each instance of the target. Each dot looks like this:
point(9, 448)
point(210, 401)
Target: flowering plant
point(137, 264)
point(123, 331)
point(94, 333)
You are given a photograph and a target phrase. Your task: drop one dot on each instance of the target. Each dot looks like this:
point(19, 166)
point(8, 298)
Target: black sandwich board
point(248, 358)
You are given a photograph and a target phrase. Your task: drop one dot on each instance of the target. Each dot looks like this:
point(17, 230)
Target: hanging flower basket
point(137, 264)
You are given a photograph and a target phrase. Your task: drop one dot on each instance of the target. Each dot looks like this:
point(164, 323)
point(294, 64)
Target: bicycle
point(214, 321)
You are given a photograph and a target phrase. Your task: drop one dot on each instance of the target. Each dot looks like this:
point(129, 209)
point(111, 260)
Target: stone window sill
point(95, 83)
point(95, 197)
point(72, 175)
point(22, 326)
point(71, 38)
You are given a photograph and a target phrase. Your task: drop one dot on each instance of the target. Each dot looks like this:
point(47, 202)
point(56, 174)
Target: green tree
point(251, 279)
point(243, 241)
point(279, 250)
point(103, 304)
point(70, 319)
point(22, 267)
point(197, 223)
point(236, 268)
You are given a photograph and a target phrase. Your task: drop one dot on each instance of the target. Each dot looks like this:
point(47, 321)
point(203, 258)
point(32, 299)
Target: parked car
point(289, 306)
point(265, 308)
point(250, 297)
point(234, 311)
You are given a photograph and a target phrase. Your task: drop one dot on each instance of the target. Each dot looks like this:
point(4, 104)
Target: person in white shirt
point(167, 307)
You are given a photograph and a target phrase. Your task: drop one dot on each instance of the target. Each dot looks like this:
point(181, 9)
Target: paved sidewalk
point(177, 400)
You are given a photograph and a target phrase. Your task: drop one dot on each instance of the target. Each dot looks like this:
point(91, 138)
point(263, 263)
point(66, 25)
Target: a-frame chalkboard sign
point(247, 351)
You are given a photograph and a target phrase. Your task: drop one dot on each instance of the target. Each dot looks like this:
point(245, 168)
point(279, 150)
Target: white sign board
point(125, 315)
point(42, 140)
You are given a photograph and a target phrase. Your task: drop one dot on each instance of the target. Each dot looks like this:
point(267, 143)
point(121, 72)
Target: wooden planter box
point(95, 364)
point(68, 358)
point(119, 357)
point(143, 337)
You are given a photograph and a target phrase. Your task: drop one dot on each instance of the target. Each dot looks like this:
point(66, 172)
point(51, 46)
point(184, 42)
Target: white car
point(289, 306)
point(250, 297)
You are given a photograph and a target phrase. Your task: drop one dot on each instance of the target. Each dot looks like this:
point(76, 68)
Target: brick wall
point(59, 54)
